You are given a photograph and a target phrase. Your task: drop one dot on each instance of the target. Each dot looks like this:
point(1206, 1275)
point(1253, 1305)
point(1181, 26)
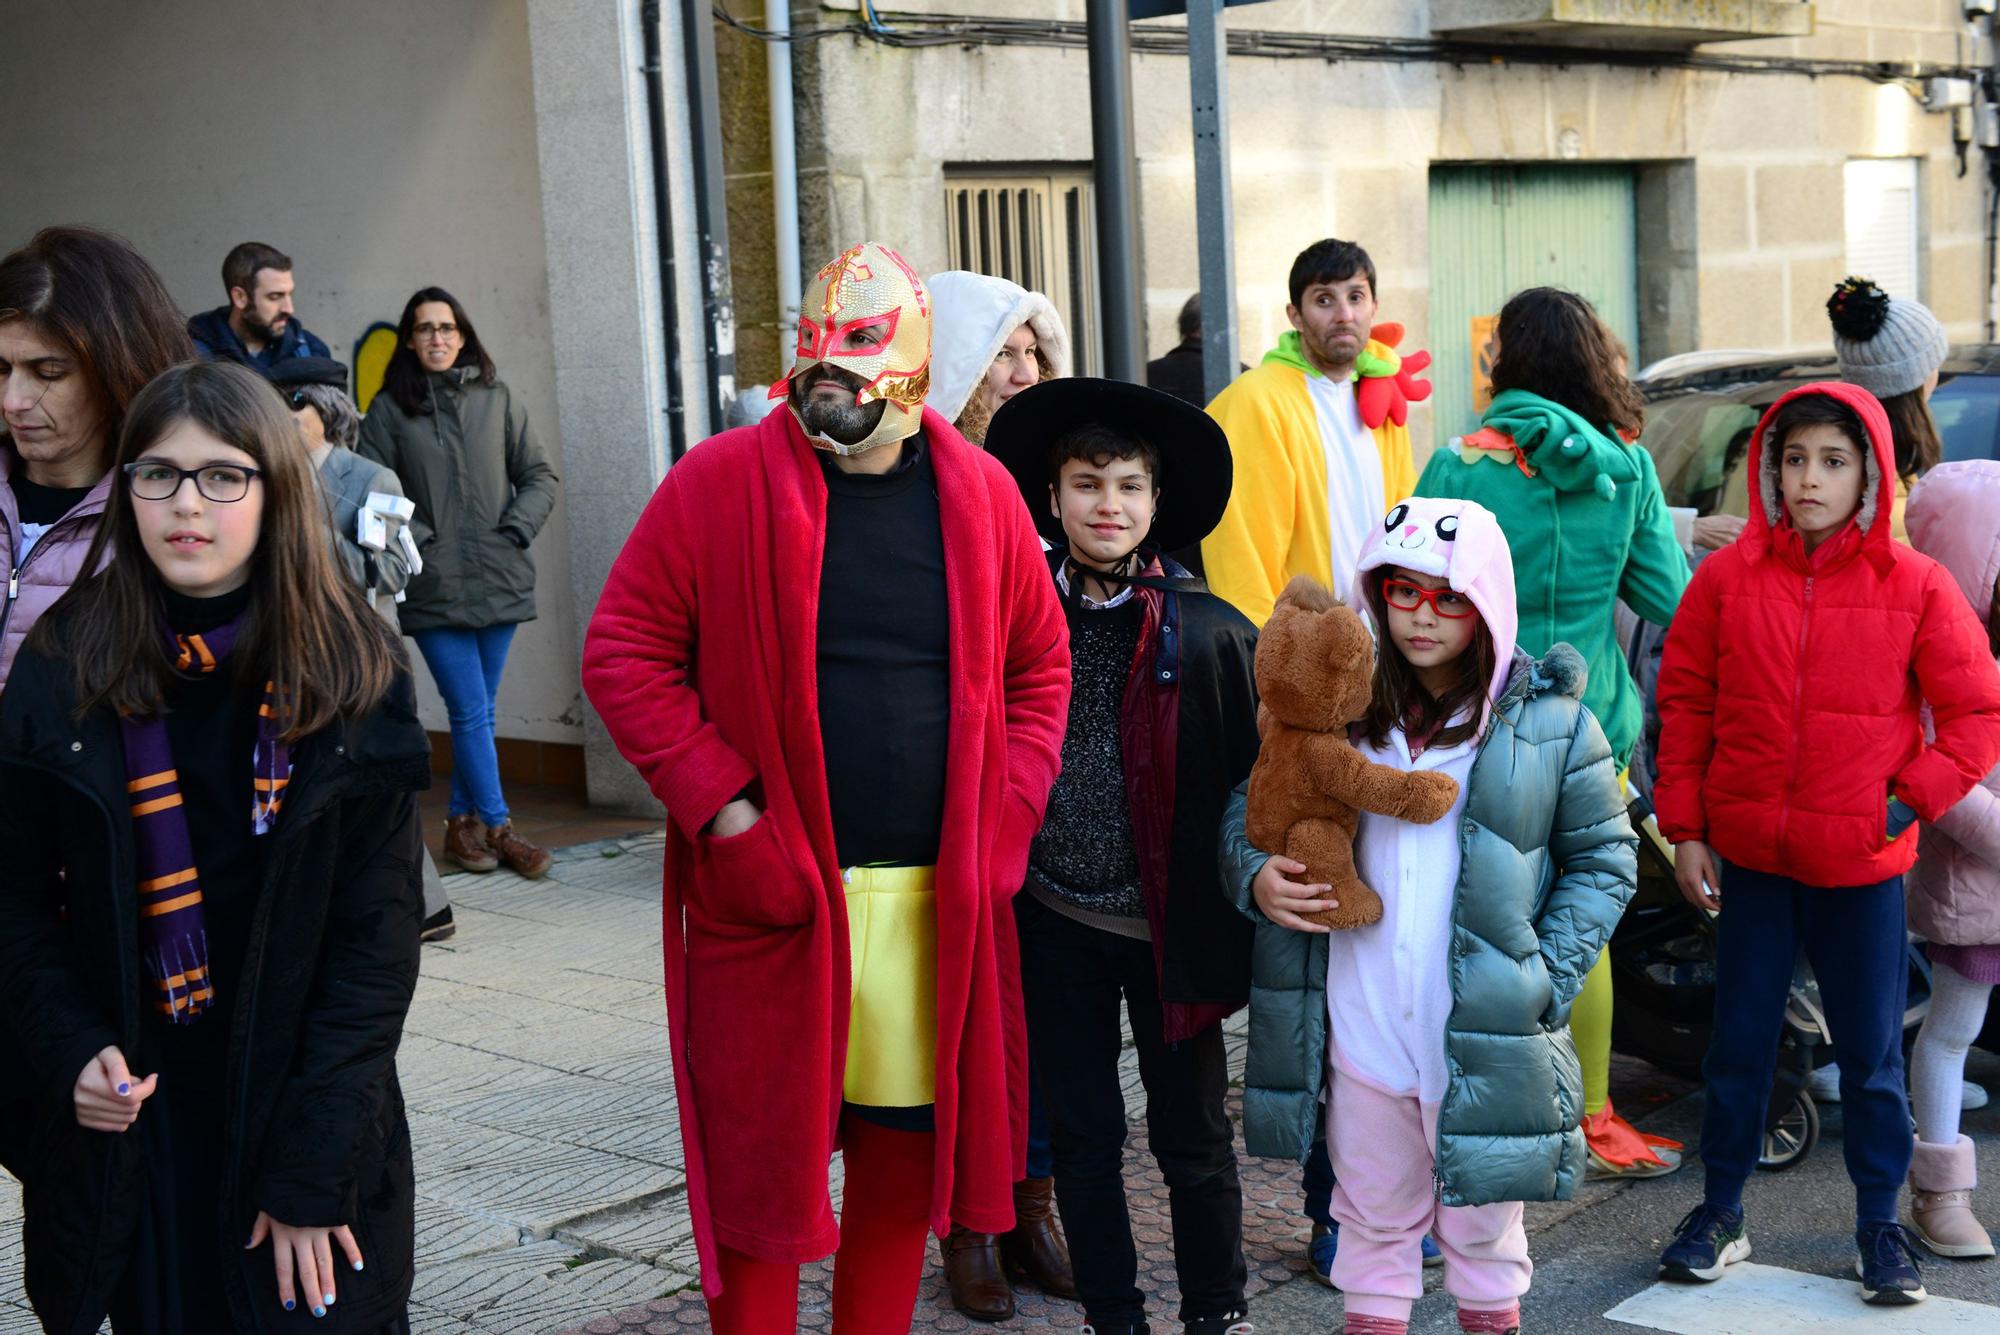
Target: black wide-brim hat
point(1195, 466)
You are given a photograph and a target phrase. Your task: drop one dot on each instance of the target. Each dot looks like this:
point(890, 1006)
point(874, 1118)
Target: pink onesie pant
point(1385, 1199)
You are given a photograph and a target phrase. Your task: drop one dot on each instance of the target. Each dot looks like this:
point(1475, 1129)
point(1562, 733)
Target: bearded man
point(832, 649)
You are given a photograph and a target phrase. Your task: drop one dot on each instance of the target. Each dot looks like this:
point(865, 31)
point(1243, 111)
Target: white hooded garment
point(972, 317)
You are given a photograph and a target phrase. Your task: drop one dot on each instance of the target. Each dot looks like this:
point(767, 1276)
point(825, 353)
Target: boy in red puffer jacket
point(1792, 766)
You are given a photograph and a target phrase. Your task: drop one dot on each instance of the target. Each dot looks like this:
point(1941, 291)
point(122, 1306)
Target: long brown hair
point(1400, 700)
point(1553, 344)
point(306, 629)
point(1914, 433)
point(96, 296)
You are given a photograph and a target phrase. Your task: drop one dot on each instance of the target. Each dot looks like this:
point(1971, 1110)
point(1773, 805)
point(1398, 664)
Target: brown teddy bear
point(1315, 674)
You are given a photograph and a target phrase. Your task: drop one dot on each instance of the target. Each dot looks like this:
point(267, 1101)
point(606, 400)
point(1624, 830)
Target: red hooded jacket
point(701, 659)
point(1791, 685)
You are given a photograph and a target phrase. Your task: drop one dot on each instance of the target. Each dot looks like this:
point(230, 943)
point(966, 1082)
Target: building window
point(1884, 226)
point(1034, 229)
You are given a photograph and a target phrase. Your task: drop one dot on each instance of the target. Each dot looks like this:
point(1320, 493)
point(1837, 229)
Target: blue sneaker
point(1432, 1256)
point(1706, 1240)
point(1888, 1266)
point(1319, 1252)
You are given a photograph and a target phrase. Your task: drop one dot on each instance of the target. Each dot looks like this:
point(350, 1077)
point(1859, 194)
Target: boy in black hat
point(1124, 897)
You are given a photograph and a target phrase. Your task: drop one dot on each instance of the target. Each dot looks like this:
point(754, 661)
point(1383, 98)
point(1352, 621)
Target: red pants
point(883, 1222)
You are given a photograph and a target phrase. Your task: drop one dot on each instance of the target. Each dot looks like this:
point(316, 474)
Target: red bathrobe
point(702, 661)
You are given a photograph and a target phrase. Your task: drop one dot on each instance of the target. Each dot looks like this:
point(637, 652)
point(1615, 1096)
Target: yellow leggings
point(1590, 1027)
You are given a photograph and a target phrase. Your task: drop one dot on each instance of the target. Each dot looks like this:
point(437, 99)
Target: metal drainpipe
point(711, 213)
point(784, 176)
point(663, 228)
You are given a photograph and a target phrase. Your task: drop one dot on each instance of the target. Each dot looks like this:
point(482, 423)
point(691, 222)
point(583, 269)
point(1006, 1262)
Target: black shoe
point(439, 926)
point(1705, 1241)
point(1229, 1323)
point(1888, 1266)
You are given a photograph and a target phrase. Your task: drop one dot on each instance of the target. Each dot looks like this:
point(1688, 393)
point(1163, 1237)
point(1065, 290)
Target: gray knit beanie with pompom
point(1886, 346)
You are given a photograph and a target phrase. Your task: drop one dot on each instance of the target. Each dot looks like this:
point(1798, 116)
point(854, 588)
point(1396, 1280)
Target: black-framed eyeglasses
point(153, 480)
point(299, 399)
point(426, 329)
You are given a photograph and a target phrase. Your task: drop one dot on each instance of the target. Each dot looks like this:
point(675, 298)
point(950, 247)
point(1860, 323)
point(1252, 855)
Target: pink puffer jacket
point(53, 564)
point(1954, 890)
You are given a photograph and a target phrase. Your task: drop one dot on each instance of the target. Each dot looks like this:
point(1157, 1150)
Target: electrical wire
point(912, 30)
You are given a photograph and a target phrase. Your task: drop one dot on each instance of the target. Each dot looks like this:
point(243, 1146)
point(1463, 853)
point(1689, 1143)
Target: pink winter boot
point(1941, 1181)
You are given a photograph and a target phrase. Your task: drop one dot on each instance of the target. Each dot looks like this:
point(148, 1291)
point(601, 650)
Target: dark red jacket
point(1790, 687)
point(702, 660)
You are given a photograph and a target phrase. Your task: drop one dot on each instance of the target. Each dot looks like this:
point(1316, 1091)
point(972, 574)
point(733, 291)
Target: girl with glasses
point(1453, 1093)
point(459, 439)
point(209, 756)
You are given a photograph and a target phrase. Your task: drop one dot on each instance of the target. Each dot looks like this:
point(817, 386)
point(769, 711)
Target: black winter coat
point(313, 1113)
point(1188, 733)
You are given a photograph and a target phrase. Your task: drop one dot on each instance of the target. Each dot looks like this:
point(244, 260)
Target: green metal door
point(1497, 229)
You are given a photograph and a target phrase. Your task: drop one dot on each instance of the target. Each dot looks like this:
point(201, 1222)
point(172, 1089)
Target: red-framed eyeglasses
point(1407, 597)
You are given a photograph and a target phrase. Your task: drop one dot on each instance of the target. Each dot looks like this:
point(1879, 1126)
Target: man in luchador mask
point(832, 648)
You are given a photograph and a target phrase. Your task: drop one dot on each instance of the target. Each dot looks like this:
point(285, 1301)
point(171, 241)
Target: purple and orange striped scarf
point(173, 938)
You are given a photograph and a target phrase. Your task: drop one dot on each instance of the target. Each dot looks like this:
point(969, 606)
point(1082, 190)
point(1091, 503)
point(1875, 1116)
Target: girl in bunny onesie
point(1455, 1093)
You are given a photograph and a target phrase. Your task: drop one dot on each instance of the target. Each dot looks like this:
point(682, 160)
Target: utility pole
point(1117, 189)
point(1208, 81)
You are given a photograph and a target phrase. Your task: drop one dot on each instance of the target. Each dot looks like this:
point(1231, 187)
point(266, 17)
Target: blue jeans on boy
point(1854, 938)
point(466, 665)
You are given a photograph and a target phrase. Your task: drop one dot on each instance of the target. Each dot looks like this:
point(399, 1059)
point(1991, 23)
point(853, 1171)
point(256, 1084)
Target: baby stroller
point(1663, 974)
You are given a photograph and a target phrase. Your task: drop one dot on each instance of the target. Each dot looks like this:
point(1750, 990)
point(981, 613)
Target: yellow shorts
point(892, 1025)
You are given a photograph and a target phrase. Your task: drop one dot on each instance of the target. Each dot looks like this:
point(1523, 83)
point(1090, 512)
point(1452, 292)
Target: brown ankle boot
point(521, 857)
point(464, 844)
point(1036, 1247)
point(979, 1286)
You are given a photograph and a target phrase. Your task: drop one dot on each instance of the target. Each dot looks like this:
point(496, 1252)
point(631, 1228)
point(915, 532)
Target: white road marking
point(1753, 1299)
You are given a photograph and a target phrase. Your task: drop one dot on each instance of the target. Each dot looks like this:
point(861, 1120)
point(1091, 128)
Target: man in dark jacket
point(257, 327)
point(1179, 372)
point(1123, 895)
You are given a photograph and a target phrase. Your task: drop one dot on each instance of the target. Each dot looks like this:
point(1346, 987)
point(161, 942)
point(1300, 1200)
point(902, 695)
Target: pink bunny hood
point(1461, 543)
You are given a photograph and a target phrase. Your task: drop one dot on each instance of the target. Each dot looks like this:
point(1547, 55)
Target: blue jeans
point(466, 665)
point(1854, 939)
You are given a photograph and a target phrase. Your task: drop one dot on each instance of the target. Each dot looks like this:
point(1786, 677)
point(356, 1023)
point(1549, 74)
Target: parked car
point(1699, 416)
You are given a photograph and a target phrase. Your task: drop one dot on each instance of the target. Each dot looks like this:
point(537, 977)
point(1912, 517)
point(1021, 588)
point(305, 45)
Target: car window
point(1967, 409)
point(1700, 445)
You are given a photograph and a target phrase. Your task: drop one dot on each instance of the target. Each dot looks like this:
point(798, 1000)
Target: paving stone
point(535, 1289)
point(445, 1232)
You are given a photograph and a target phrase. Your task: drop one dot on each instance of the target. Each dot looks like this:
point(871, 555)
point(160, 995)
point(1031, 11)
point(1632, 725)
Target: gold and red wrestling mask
point(865, 328)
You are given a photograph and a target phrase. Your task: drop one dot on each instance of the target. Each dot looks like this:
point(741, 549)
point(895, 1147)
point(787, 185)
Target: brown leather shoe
point(464, 844)
point(521, 857)
point(1036, 1248)
point(979, 1286)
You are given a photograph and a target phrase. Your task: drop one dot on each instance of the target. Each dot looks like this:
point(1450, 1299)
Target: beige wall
point(383, 145)
point(1345, 149)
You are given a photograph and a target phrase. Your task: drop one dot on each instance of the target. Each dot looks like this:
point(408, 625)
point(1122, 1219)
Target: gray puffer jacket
point(1549, 862)
point(483, 489)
